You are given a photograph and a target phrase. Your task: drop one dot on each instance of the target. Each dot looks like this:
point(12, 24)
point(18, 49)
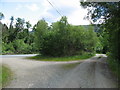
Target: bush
point(21, 47)
point(7, 48)
point(115, 67)
point(18, 47)
point(64, 39)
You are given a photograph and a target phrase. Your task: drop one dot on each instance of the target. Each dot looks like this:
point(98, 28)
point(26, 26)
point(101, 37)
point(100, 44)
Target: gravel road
point(90, 73)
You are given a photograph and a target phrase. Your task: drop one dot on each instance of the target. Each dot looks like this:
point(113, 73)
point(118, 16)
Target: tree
point(63, 39)
point(17, 38)
point(5, 33)
point(41, 28)
point(28, 25)
point(1, 26)
point(26, 34)
point(19, 24)
point(1, 15)
point(109, 11)
point(11, 23)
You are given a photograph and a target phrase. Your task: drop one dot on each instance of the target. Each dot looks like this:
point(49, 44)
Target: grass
point(5, 75)
point(115, 68)
point(67, 58)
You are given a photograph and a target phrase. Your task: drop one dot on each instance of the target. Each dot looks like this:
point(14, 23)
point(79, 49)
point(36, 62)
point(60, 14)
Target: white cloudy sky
point(34, 10)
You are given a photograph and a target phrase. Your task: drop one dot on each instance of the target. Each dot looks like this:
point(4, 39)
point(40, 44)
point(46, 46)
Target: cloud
point(18, 7)
point(32, 7)
point(72, 9)
point(75, 19)
point(43, 9)
point(6, 21)
point(21, 1)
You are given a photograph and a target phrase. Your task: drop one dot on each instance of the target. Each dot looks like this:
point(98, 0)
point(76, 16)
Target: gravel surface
point(90, 73)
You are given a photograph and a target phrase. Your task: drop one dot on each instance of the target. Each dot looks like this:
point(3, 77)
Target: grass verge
point(115, 68)
point(5, 75)
point(67, 58)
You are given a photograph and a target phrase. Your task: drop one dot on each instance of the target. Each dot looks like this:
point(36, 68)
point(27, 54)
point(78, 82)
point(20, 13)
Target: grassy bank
point(115, 68)
point(67, 58)
point(5, 75)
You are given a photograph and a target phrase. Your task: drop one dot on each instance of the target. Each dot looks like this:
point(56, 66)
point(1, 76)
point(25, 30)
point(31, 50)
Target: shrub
point(7, 48)
point(64, 39)
point(21, 47)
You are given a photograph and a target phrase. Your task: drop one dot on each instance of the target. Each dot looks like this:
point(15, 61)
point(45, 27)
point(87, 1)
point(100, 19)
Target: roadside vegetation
point(65, 41)
point(115, 68)
point(59, 40)
point(109, 31)
point(65, 58)
point(62, 41)
point(16, 38)
point(5, 75)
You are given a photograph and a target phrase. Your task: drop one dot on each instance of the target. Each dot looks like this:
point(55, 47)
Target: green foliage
point(4, 32)
point(111, 27)
point(115, 67)
point(64, 39)
point(18, 46)
point(60, 39)
point(41, 29)
point(5, 75)
point(103, 42)
point(99, 46)
point(21, 47)
point(23, 34)
point(28, 25)
point(90, 39)
point(7, 48)
point(66, 58)
point(18, 38)
point(1, 15)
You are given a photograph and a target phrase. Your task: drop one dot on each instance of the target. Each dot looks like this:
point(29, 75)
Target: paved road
point(91, 73)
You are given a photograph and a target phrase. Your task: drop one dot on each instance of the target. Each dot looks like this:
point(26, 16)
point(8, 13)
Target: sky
point(34, 10)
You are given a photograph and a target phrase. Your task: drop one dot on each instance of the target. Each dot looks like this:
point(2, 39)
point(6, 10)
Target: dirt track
point(90, 73)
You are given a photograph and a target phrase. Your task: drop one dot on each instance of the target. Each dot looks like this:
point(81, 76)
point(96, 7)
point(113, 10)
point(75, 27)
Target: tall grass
point(115, 67)
point(5, 75)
